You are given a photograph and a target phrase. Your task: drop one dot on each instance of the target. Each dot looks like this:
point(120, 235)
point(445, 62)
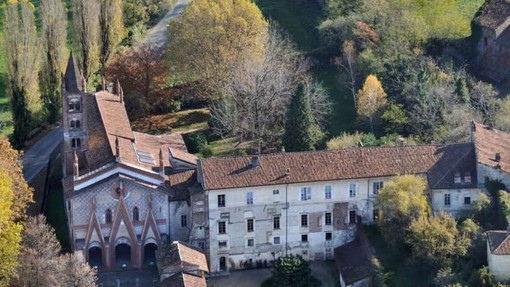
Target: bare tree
point(111, 28)
point(21, 51)
point(86, 30)
point(74, 272)
point(258, 93)
point(347, 62)
point(53, 39)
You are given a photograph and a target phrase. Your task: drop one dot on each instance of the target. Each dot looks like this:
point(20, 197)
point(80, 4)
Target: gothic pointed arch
point(150, 228)
point(94, 233)
point(121, 224)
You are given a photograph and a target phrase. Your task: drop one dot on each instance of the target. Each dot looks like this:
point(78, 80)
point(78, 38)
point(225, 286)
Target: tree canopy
point(371, 99)
point(402, 200)
point(211, 36)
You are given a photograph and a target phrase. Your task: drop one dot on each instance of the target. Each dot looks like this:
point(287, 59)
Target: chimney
point(401, 142)
point(255, 162)
point(103, 83)
point(118, 88)
point(287, 172)
point(283, 149)
point(498, 157)
point(117, 149)
point(84, 84)
point(76, 167)
point(161, 163)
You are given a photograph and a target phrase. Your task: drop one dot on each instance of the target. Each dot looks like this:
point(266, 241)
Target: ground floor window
point(447, 199)
point(467, 200)
point(352, 216)
point(223, 263)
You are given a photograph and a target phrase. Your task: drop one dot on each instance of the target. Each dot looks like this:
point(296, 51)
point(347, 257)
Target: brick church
point(125, 192)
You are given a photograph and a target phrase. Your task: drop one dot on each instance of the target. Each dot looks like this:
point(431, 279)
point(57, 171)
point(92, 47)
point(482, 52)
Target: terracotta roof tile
point(179, 254)
point(499, 242)
point(183, 155)
point(489, 142)
point(231, 172)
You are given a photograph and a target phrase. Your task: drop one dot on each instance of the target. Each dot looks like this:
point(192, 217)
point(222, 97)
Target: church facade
point(125, 192)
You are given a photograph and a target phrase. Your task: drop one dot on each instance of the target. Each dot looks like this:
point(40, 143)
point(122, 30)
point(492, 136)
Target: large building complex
point(126, 192)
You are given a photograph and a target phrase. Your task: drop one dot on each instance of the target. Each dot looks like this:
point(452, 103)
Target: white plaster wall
point(492, 173)
point(266, 205)
point(499, 265)
point(177, 231)
point(456, 199)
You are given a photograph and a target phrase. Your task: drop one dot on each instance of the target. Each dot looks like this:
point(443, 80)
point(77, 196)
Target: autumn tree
point(10, 231)
point(111, 28)
point(86, 34)
point(301, 131)
point(21, 51)
point(10, 164)
point(402, 200)
point(211, 37)
point(53, 39)
point(142, 75)
point(41, 264)
point(371, 99)
point(437, 241)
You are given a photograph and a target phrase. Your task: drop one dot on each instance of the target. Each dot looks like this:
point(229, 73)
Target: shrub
point(195, 142)
point(206, 151)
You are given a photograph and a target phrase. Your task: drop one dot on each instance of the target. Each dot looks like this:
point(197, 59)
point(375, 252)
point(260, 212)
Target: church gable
point(94, 233)
point(150, 228)
point(121, 223)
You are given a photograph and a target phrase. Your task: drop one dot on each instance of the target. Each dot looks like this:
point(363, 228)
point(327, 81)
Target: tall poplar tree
point(301, 131)
point(21, 52)
point(53, 39)
point(111, 28)
point(86, 27)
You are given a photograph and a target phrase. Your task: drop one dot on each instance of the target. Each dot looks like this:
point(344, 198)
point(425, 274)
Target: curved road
point(37, 156)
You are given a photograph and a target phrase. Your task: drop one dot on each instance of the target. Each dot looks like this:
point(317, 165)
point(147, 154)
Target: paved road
point(158, 35)
point(36, 157)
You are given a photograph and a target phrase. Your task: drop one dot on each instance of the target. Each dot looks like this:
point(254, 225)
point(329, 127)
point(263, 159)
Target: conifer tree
point(111, 28)
point(301, 131)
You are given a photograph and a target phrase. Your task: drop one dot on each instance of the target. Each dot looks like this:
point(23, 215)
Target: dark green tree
point(291, 271)
point(21, 115)
point(301, 131)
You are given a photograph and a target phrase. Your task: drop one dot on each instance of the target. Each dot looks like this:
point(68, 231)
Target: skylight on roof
point(145, 157)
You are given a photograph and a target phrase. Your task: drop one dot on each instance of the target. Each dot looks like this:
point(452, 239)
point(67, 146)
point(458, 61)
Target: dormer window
point(457, 178)
point(74, 106)
point(467, 177)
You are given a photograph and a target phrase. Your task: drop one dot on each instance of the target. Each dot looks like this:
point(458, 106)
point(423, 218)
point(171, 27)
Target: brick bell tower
point(73, 117)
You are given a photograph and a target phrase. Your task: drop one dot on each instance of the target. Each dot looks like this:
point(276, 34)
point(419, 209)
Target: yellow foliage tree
point(402, 200)
point(10, 232)
point(10, 164)
point(371, 99)
point(211, 36)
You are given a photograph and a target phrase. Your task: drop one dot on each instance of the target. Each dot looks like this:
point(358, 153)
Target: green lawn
point(300, 18)
point(399, 270)
point(55, 208)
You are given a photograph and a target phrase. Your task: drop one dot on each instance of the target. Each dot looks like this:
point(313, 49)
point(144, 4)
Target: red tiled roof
point(494, 14)
point(189, 254)
point(488, 142)
point(183, 155)
point(499, 242)
point(231, 172)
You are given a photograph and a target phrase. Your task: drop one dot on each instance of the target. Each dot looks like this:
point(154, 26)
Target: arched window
point(136, 214)
point(77, 124)
point(108, 216)
point(72, 124)
point(74, 106)
point(75, 143)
